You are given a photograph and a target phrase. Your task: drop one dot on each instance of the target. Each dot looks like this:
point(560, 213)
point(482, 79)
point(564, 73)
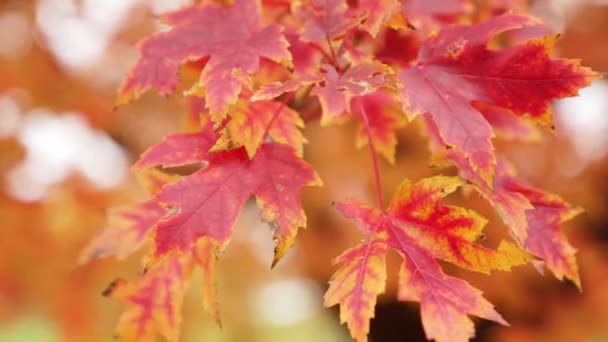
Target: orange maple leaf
point(420, 229)
point(249, 123)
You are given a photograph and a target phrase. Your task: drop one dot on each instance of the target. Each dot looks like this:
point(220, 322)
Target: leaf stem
point(372, 150)
point(334, 59)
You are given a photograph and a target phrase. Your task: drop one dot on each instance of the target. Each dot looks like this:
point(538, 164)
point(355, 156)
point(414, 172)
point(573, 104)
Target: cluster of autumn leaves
point(248, 142)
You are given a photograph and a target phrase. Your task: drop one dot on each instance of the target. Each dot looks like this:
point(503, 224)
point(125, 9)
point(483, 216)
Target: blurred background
point(65, 154)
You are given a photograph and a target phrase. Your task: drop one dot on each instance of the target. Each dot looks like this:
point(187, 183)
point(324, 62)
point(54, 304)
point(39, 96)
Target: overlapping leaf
point(337, 90)
point(249, 123)
point(456, 70)
point(356, 285)
point(205, 256)
point(532, 215)
point(545, 239)
point(210, 200)
point(379, 14)
point(232, 37)
point(130, 226)
point(154, 301)
point(420, 229)
point(511, 205)
point(324, 20)
point(306, 57)
point(337, 94)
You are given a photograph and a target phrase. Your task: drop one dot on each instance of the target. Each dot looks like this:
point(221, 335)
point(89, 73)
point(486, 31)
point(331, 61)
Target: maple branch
point(287, 98)
point(372, 151)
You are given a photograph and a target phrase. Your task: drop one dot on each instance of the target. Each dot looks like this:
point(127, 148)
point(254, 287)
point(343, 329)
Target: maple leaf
point(337, 90)
point(336, 94)
point(232, 37)
point(324, 20)
point(249, 123)
point(153, 301)
point(129, 227)
point(511, 205)
point(384, 117)
point(306, 57)
point(210, 200)
point(380, 13)
point(334, 90)
point(455, 70)
point(545, 239)
point(532, 215)
point(356, 285)
point(421, 229)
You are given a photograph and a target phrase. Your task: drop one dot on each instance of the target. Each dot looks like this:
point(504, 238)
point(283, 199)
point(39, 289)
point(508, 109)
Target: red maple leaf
point(544, 238)
point(210, 200)
point(232, 37)
point(306, 57)
point(455, 70)
point(511, 205)
point(337, 90)
point(337, 94)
